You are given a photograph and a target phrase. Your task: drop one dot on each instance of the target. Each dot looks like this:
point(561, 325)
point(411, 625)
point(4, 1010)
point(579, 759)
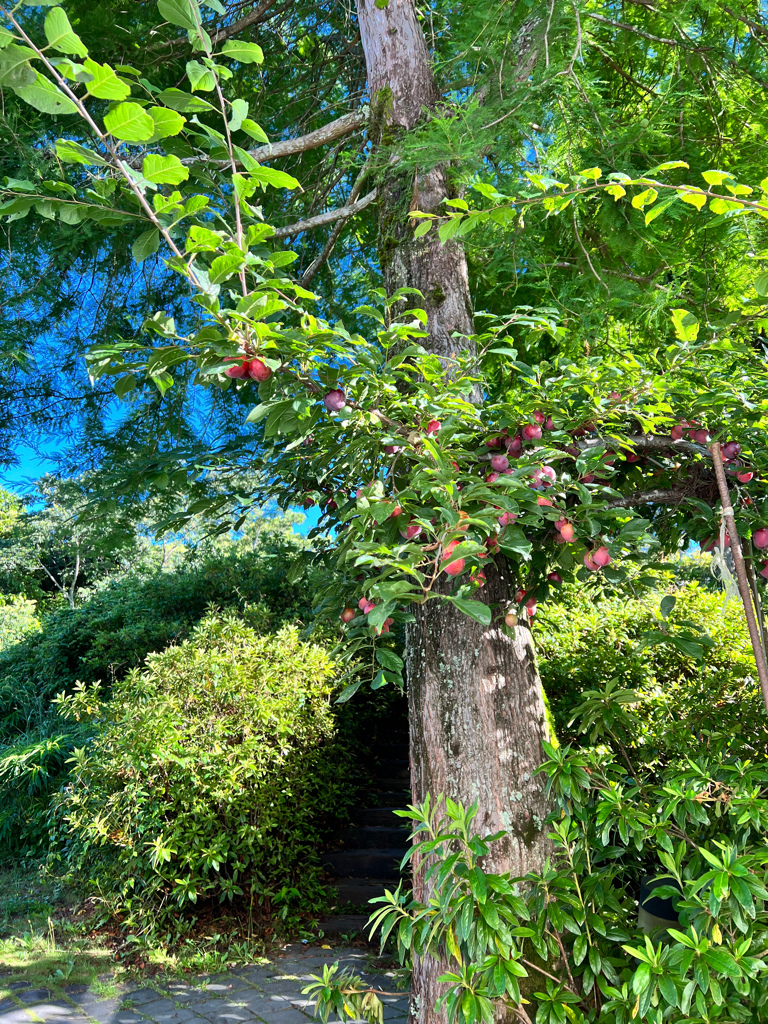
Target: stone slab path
point(269, 994)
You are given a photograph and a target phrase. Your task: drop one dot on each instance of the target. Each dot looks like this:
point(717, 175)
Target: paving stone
point(17, 986)
point(126, 1017)
point(15, 1017)
point(47, 1010)
point(7, 1004)
point(290, 1015)
point(35, 995)
point(103, 1010)
point(150, 1007)
point(145, 995)
point(75, 990)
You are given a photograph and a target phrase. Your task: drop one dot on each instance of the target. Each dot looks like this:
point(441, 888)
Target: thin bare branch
point(326, 218)
point(344, 125)
point(630, 28)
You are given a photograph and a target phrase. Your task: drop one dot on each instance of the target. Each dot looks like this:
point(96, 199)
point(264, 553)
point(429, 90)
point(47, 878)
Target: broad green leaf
point(73, 153)
point(389, 660)
point(617, 191)
point(693, 198)
point(659, 209)
point(644, 198)
point(761, 286)
point(145, 245)
point(223, 267)
point(167, 122)
point(105, 85)
point(178, 12)
point(271, 176)
point(686, 325)
point(245, 53)
point(71, 214)
point(422, 228)
point(6, 38)
point(670, 165)
point(129, 122)
point(238, 115)
point(184, 102)
point(475, 609)
point(46, 97)
point(125, 384)
point(164, 170)
point(715, 177)
point(593, 173)
point(254, 130)
point(15, 69)
point(201, 78)
point(60, 36)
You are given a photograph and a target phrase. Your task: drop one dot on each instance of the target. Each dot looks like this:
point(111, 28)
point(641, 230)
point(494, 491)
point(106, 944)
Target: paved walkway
point(269, 994)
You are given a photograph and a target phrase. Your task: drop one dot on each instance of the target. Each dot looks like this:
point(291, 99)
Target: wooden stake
point(741, 572)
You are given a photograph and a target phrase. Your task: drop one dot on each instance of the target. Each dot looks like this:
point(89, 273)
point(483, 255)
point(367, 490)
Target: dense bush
point(131, 616)
point(212, 773)
point(583, 644)
point(569, 940)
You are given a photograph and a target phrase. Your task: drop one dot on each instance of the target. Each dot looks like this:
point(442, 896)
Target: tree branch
point(630, 28)
point(253, 18)
point(669, 496)
point(344, 125)
point(318, 262)
point(325, 218)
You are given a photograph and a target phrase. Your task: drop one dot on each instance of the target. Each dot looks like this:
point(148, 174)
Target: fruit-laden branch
point(653, 442)
point(344, 125)
point(325, 218)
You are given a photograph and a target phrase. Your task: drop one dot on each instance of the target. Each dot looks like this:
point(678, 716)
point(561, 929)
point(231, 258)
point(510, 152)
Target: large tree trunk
point(477, 716)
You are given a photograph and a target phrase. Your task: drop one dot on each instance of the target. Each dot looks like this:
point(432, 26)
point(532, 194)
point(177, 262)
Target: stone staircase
point(366, 860)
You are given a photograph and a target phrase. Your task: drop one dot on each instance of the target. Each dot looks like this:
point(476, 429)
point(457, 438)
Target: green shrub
point(18, 618)
point(212, 773)
point(129, 617)
point(582, 645)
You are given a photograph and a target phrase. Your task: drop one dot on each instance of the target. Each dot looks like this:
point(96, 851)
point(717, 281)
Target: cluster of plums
point(253, 368)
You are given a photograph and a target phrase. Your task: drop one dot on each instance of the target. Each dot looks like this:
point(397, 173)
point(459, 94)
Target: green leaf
point(164, 170)
point(145, 245)
point(223, 267)
point(201, 78)
point(422, 228)
point(15, 69)
point(686, 325)
point(125, 384)
point(105, 85)
point(245, 53)
point(761, 286)
point(73, 153)
point(60, 36)
point(44, 96)
point(238, 115)
point(716, 177)
point(644, 198)
point(389, 660)
point(273, 177)
point(184, 102)
point(667, 604)
point(178, 12)
point(6, 37)
point(475, 609)
point(254, 130)
point(658, 210)
point(129, 122)
point(167, 122)
point(693, 197)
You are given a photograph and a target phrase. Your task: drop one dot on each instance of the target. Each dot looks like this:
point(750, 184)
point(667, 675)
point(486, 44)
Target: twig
point(589, 261)
point(741, 575)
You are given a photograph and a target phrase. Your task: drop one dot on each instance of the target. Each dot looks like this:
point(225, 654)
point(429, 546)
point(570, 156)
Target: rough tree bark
point(477, 717)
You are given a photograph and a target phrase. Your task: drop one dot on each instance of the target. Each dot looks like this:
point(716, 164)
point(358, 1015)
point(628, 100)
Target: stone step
point(378, 816)
point(358, 891)
point(344, 924)
point(381, 863)
point(368, 837)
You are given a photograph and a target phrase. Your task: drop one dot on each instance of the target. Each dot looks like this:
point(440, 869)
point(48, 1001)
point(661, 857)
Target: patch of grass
point(51, 937)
